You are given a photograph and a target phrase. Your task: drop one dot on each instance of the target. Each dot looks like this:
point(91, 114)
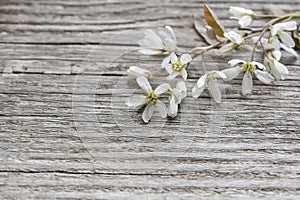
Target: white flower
point(248, 68)
point(245, 16)
point(277, 69)
point(177, 66)
point(235, 41)
point(134, 72)
point(278, 31)
point(150, 99)
point(177, 94)
point(209, 79)
point(158, 44)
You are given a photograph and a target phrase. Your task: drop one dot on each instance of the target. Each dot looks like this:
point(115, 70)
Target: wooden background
point(65, 132)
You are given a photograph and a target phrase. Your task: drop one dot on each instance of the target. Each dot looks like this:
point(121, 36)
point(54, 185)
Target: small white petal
point(173, 107)
point(196, 91)
point(135, 72)
point(162, 88)
point(276, 54)
point(289, 26)
point(177, 95)
point(181, 86)
point(169, 28)
point(185, 58)
point(264, 76)
point(184, 74)
point(169, 68)
point(220, 74)
point(247, 84)
point(201, 81)
point(172, 76)
point(227, 48)
point(144, 83)
point(245, 21)
point(233, 37)
point(232, 73)
point(165, 61)
point(170, 44)
point(174, 58)
point(214, 91)
point(161, 108)
point(290, 50)
point(136, 101)
point(148, 112)
point(234, 62)
point(153, 37)
point(287, 39)
point(150, 52)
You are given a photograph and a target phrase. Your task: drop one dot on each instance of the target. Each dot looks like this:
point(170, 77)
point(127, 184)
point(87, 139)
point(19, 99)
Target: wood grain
point(65, 132)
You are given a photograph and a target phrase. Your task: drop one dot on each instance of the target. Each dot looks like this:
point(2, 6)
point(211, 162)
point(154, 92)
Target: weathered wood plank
point(65, 132)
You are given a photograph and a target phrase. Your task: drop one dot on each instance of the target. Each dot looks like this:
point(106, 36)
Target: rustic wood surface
point(65, 132)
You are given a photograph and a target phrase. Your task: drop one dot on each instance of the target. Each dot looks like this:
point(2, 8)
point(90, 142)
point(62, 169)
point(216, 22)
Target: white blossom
point(134, 72)
point(245, 16)
point(163, 42)
point(279, 31)
point(177, 66)
point(177, 94)
point(277, 69)
point(249, 69)
point(210, 80)
point(150, 99)
point(235, 41)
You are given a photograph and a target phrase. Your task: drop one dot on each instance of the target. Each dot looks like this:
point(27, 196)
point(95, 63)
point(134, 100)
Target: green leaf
point(212, 20)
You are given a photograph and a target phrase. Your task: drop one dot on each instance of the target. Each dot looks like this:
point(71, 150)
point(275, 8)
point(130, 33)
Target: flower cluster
point(275, 37)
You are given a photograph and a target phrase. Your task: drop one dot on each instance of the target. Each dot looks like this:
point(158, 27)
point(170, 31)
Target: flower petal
point(234, 62)
point(136, 101)
point(232, 73)
point(276, 54)
point(162, 88)
point(185, 58)
point(148, 112)
point(289, 26)
point(184, 74)
point(173, 58)
point(181, 86)
point(153, 37)
point(172, 76)
point(214, 91)
point(220, 74)
point(170, 44)
point(287, 40)
point(161, 108)
point(173, 107)
point(169, 28)
point(247, 84)
point(290, 50)
point(201, 81)
point(169, 68)
point(196, 91)
point(134, 72)
point(150, 52)
point(264, 76)
point(144, 83)
point(165, 61)
point(245, 21)
point(226, 48)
